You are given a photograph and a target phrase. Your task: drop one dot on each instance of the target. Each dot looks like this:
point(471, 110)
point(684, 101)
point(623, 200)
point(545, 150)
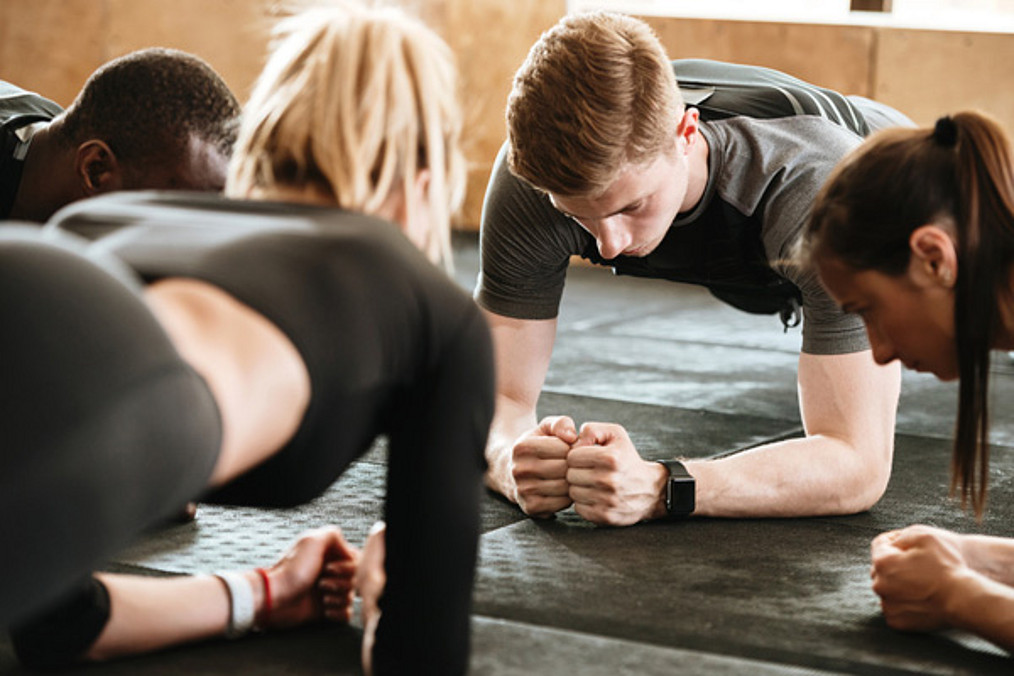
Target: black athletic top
point(18, 109)
point(392, 345)
point(314, 272)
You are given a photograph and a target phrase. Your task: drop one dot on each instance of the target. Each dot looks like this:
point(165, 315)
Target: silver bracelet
point(241, 604)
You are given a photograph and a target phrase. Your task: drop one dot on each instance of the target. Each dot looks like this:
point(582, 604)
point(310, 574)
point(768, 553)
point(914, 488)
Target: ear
point(686, 130)
point(421, 185)
point(97, 168)
point(934, 257)
point(417, 223)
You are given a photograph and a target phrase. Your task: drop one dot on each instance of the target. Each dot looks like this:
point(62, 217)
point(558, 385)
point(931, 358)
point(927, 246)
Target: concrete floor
point(685, 375)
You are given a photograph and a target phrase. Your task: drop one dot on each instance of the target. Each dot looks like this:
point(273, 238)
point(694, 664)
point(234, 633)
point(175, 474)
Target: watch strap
point(680, 490)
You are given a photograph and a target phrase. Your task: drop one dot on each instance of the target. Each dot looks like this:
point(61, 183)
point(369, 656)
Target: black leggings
point(104, 429)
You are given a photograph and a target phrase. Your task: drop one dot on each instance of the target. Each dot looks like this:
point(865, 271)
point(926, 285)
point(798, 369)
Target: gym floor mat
point(687, 376)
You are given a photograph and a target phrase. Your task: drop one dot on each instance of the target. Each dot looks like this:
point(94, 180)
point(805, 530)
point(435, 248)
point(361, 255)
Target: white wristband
point(241, 604)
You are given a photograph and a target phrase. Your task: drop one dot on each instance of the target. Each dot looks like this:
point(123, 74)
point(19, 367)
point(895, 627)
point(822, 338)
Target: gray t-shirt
point(766, 164)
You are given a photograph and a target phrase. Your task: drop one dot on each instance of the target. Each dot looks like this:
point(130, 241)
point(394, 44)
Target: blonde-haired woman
point(357, 107)
point(317, 326)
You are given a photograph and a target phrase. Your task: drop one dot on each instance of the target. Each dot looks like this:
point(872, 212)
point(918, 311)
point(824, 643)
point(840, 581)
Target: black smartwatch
point(680, 490)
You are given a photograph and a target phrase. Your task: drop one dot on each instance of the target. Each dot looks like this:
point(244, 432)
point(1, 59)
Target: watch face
point(680, 494)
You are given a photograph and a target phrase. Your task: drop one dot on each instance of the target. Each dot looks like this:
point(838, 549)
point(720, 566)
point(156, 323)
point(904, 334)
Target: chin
point(948, 374)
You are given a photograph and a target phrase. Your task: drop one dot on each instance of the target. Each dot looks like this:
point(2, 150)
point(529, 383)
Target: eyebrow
point(618, 211)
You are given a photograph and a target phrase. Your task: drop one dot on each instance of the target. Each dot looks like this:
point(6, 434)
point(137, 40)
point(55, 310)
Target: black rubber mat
point(685, 376)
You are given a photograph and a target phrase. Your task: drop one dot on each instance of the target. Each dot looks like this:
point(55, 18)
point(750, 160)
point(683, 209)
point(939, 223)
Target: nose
point(611, 237)
point(883, 349)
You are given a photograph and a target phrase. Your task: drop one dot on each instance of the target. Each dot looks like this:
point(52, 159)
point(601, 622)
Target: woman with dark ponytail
point(915, 233)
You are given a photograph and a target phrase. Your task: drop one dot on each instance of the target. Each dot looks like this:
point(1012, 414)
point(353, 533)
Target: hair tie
point(946, 131)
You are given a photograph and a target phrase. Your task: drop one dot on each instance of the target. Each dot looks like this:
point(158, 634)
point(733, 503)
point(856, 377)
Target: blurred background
point(925, 57)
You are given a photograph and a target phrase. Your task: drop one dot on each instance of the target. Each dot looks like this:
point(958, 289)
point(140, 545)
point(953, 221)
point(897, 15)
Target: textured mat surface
point(687, 376)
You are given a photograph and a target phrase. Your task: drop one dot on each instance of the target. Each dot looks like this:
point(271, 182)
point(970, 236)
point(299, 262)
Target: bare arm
point(313, 580)
point(985, 607)
point(152, 613)
point(926, 581)
point(848, 405)
point(527, 463)
point(991, 556)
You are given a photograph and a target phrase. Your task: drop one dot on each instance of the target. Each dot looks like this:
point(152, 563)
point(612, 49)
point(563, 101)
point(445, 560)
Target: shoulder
point(798, 139)
point(720, 90)
point(525, 248)
point(754, 162)
point(17, 102)
point(161, 234)
point(513, 207)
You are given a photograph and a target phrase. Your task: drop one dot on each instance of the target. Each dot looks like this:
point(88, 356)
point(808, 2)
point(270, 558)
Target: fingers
point(325, 543)
point(882, 545)
point(586, 478)
point(336, 591)
point(596, 457)
point(560, 426)
point(331, 543)
point(549, 462)
point(601, 434)
point(370, 576)
point(914, 536)
point(911, 616)
point(539, 470)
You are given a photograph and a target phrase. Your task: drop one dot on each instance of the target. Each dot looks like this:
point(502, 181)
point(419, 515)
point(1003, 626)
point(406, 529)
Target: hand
point(539, 466)
point(313, 579)
point(609, 482)
point(914, 571)
point(369, 583)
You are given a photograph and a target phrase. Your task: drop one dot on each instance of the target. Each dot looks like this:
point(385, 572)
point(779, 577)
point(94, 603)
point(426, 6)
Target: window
point(966, 15)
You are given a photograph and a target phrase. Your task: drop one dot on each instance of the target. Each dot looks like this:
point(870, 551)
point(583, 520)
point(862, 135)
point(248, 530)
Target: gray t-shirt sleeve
point(525, 246)
point(826, 328)
point(779, 166)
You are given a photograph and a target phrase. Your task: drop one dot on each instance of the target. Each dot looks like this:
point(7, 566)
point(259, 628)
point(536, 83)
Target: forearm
point(811, 476)
point(991, 556)
point(984, 607)
point(152, 613)
point(512, 419)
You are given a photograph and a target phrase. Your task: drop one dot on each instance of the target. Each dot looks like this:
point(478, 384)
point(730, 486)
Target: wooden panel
point(837, 57)
point(490, 39)
point(928, 73)
point(50, 46)
point(231, 35)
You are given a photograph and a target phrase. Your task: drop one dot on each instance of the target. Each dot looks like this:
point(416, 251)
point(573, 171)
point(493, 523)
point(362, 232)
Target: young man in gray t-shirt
point(708, 182)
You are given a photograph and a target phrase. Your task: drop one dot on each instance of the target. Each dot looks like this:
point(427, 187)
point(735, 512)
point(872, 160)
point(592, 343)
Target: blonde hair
point(354, 102)
point(596, 92)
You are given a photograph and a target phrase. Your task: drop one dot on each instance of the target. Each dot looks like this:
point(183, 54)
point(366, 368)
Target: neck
point(46, 183)
point(697, 172)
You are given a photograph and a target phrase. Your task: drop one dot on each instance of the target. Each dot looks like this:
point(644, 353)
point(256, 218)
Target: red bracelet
point(266, 612)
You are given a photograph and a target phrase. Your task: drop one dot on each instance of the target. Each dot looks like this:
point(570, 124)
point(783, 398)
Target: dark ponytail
point(985, 223)
point(900, 179)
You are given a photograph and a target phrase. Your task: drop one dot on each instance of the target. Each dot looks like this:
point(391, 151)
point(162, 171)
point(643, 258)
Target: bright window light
point(995, 16)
